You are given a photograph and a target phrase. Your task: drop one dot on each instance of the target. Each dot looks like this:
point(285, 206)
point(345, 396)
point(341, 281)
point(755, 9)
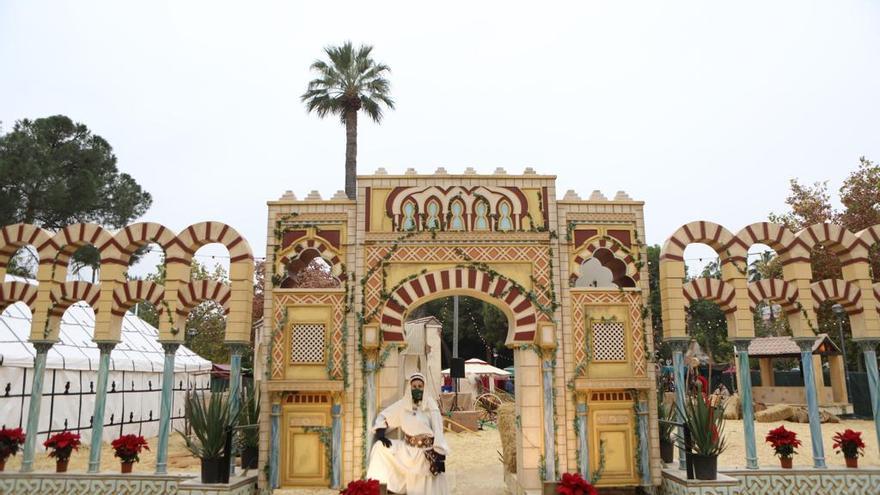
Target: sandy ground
point(735, 454)
point(475, 465)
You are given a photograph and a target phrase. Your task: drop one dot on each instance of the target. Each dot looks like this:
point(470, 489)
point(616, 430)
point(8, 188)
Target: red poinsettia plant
point(62, 445)
point(10, 441)
point(128, 447)
point(850, 443)
point(362, 487)
point(783, 441)
point(574, 484)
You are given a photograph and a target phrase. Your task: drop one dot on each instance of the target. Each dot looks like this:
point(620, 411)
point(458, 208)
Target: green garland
point(325, 435)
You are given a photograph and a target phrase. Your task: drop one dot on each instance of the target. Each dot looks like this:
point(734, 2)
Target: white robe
point(404, 468)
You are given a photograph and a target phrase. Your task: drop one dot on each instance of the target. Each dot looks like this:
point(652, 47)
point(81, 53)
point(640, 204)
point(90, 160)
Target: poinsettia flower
point(574, 484)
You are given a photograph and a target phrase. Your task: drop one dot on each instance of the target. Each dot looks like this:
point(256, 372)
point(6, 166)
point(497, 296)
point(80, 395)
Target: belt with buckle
point(420, 441)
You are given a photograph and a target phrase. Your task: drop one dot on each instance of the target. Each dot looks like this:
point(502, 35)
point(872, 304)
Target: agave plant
point(704, 417)
point(209, 419)
point(665, 413)
point(249, 415)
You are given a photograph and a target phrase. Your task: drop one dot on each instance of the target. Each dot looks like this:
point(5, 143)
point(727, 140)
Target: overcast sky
point(704, 110)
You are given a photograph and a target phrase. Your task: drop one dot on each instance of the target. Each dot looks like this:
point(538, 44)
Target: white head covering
point(416, 376)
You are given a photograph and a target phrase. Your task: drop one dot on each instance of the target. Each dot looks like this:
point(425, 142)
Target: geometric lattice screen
point(307, 344)
point(609, 341)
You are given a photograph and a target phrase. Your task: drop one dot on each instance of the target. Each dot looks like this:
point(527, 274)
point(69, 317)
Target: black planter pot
point(249, 458)
point(705, 466)
point(215, 471)
point(667, 451)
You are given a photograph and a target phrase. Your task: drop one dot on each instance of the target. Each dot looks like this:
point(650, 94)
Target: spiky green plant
point(665, 413)
point(208, 419)
point(704, 417)
point(250, 415)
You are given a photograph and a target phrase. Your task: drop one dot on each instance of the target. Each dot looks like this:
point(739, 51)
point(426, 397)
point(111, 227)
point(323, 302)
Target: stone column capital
point(805, 343)
point(42, 346)
point(237, 348)
point(741, 344)
point(170, 347)
point(678, 344)
point(867, 344)
point(106, 347)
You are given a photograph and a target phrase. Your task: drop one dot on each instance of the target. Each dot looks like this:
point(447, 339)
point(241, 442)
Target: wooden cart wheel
point(487, 406)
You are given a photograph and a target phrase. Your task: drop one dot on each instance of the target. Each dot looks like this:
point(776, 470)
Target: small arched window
point(481, 210)
point(504, 221)
point(456, 222)
point(433, 210)
point(409, 216)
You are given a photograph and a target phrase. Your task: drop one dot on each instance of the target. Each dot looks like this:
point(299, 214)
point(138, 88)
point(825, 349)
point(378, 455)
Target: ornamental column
point(235, 351)
point(549, 430)
point(369, 404)
point(806, 345)
point(583, 450)
point(33, 421)
point(165, 407)
point(274, 445)
point(741, 347)
point(644, 447)
point(100, 404)
point(336, 451)
point(868, 349)
point(679, 346)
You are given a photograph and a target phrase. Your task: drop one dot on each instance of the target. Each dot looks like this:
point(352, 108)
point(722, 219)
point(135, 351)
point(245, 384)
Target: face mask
point(417, 395)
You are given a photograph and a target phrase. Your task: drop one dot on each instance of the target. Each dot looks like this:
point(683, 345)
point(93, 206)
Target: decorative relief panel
point(537, 256)
point(609, 341)
point(633, 300)
point(307, 344)
point(337, 345)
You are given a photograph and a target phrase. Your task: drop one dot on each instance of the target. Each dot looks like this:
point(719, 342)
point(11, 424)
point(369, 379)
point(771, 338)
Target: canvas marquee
point(133, 385)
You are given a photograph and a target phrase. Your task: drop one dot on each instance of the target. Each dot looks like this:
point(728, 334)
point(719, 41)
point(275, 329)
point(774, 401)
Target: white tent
point(474, 371)
point(71, 376)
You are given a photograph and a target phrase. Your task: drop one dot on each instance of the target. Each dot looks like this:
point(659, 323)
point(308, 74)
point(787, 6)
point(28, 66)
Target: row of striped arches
point(838, 291)
point(791, 247)
point(525, 318)
point(324, 250)
point(618, 250)
point(117, 248)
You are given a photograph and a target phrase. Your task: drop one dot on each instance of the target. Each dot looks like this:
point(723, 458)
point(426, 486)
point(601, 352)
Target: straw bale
point(772, 414)
point(732, 408)
point(507, 430)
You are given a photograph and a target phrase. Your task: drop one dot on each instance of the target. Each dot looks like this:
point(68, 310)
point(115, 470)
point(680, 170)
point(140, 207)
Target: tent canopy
point(138, 350)
point(479, 367)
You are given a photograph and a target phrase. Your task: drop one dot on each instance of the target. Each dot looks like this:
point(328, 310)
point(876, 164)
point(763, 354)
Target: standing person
point(415, 465)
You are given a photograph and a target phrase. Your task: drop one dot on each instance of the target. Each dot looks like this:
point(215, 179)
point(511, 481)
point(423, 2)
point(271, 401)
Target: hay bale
point(800, 415)
point(507, 430)
point(733, 407)
point(774, 413)
point(759, 406)
point(827, 417)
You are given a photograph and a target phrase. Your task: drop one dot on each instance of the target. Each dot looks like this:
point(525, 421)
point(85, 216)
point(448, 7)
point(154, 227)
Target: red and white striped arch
point(710, 289)
point(779, 291)
point(524, 314)
point(13, 237)
point(728, 247)
point(849, 248)
point(129, 293)
point(199, 291)
point(847, 294)
point(324, 250)
point(200, 234)
point(13, 292)
point(68, 293)
point(615, 247)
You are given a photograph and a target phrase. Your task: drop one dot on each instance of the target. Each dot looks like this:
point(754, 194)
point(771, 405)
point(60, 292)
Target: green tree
point(351, 81)
point(54, 172)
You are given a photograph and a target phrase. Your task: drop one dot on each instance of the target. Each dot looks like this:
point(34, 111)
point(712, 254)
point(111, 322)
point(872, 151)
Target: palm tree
point(349, 82)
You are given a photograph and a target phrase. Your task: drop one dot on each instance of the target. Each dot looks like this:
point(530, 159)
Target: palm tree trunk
point(351, 154)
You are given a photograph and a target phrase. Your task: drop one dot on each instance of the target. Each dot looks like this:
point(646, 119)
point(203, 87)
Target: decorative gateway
point(569, 274)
